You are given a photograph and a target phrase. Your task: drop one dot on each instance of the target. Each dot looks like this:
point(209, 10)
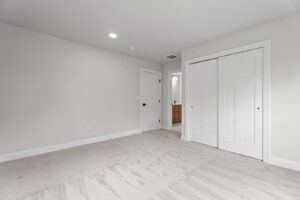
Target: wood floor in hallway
point(156, 165)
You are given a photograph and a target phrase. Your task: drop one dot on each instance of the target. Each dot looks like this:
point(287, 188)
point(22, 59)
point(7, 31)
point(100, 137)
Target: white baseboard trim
point(58, 147)
point(293, 165)
point(184, 138)
point(165, 128)
point(170, 129)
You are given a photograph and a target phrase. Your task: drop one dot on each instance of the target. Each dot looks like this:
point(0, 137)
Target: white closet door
point(240, 103)
point(203, 102)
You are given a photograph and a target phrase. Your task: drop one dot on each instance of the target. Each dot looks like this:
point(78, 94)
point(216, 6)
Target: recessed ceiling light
point(132, 48)
point(113, 35)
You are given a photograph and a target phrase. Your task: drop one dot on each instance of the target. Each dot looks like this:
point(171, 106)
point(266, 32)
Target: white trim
point(171, 129)
point(284, 163)
point(267, 140)
point(265, 45)
point(169, 103)
point(165, 128)
point(236, 50)
point(141, 93)
point(67, 145)
point(184, 138)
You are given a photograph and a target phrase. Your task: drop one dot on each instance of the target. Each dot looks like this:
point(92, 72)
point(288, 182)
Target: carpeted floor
point(154, 166)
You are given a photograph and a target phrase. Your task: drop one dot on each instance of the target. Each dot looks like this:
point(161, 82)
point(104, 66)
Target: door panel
point(203, 102)
point(150, 101)
point(240, 103)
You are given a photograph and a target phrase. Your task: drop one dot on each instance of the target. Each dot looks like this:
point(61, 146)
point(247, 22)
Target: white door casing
point(170, 103)
point(240, 103)
point(203, 102)
point(150, 100)
point(266, 95)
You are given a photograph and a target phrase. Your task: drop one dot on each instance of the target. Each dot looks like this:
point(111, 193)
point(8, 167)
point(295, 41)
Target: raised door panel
point(240, 102)
point(203, 102)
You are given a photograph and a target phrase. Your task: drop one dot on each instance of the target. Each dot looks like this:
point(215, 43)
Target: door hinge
point(158, 100)
point(159, 81)
point(159, 121)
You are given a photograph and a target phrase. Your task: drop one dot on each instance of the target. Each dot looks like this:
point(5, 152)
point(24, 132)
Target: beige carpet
point(155, 166)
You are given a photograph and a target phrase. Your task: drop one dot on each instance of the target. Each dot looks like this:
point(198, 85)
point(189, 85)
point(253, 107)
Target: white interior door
point(150, 100)
point(203, 102)
point(240, 103)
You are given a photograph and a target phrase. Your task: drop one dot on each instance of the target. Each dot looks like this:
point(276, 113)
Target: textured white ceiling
point(156, 28)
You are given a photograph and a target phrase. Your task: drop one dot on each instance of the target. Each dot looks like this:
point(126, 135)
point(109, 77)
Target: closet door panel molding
point(243, 102)
point(203, 102)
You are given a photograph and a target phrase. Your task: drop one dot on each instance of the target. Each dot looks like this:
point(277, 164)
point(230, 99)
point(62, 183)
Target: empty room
point(150, 100)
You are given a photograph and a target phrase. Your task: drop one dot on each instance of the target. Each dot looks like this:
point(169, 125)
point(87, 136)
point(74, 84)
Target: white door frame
point(265, 45)
point(170, 95)
point(141, 94)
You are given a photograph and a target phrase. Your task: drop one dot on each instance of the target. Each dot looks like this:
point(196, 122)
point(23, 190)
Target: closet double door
point(225, 103)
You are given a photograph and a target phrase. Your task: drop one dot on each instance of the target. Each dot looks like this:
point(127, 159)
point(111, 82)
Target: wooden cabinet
point(176, 113)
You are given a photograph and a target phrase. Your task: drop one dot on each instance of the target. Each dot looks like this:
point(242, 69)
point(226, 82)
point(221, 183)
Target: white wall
point(285, 78)
point(55, 91)
point(174, 65)
point(176, 89)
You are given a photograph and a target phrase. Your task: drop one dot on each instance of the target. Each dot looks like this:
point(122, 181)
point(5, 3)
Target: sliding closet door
point(203, 102)
point(240, 103)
